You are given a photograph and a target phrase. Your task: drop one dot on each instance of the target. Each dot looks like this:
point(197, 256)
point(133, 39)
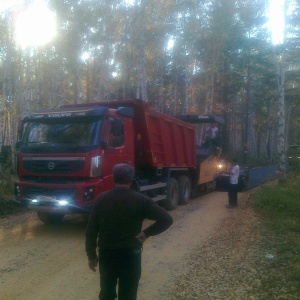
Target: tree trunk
point(141, 92)
point(142, 77)
point(186, 106)
point(281, 112)
point(27, 88)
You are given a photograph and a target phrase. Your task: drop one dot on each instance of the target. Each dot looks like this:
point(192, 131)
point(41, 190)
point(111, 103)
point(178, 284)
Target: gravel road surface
point(210, 252)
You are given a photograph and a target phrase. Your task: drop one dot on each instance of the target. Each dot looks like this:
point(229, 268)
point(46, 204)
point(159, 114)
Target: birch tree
point(280, 70)
point(280, 63)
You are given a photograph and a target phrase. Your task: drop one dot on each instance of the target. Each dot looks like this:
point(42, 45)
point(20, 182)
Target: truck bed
point(160, 140)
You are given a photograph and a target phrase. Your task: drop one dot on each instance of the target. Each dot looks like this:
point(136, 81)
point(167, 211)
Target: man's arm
point(163, 220)
point(93, 264)
point(91, 239)
point(141, 237)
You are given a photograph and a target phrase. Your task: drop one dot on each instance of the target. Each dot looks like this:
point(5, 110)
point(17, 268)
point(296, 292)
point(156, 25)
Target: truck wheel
point(172, 194)
point(49, 218)
point(213, 185)
point(184, 186)
point(210, 186)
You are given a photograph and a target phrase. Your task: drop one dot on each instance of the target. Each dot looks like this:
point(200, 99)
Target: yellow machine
point(209, 149)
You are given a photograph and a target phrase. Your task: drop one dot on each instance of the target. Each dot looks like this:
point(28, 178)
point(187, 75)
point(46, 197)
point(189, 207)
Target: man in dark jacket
point(115, 227)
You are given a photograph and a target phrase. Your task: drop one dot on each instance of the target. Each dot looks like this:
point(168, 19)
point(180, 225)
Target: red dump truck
point(65, 156)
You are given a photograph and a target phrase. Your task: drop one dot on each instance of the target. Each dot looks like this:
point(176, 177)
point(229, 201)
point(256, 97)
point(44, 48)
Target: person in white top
point(214, 131)
point(211, 136)
point(214, 135)
point(233, 184)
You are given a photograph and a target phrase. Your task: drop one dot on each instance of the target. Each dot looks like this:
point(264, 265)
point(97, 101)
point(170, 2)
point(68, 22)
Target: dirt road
point(44, 262)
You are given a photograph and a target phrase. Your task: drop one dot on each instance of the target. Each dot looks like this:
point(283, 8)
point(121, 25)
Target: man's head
point(234, 160)
point(123, 174)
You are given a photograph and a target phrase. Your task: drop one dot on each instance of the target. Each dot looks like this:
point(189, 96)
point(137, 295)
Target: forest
point(181, 56)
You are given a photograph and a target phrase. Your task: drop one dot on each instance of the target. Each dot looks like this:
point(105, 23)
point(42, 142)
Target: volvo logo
point(51, 166)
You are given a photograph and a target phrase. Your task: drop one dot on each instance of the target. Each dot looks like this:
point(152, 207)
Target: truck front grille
point(53, 166)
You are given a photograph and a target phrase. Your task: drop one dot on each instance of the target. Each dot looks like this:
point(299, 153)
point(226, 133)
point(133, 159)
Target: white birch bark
point(212, 81)
point(37, 84)
point(280, 66)
point(280, 69)
point(26, 98)
point(141, 92)
point(233, 132)
point(142, 77)
point(6, 101)
point(186, 94)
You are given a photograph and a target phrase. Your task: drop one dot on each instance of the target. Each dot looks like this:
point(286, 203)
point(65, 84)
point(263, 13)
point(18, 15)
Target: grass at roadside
point(6, 191)
point(7, 206)
point(280, 207)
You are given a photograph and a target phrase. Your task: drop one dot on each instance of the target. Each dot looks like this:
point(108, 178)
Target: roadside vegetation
point(6, 191)
point(279, 206)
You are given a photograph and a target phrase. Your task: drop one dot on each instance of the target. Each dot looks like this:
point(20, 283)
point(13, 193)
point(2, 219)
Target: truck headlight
point(96, 166)
point(89, 194)
point(17, 191)
point(221, 167)
point(62, 202)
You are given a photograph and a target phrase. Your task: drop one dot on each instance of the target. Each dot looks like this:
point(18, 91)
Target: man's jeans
point(122, 266)
point(232, 194)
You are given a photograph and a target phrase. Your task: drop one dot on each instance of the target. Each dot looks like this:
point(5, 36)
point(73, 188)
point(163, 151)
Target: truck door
point(118, 146)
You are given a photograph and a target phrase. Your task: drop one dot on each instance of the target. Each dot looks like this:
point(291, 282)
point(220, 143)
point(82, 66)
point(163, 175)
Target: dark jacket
point(117, 217)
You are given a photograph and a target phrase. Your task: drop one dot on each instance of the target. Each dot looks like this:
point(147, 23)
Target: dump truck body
point(65, 156)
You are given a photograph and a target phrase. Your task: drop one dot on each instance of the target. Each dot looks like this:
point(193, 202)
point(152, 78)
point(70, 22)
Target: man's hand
point(93, 264)
point(141, 237)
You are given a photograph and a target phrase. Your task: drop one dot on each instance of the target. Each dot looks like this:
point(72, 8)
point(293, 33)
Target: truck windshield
point(72, 132)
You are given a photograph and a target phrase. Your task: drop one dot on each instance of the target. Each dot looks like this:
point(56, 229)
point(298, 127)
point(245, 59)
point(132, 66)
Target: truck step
point(159, 198)
point(152, 186)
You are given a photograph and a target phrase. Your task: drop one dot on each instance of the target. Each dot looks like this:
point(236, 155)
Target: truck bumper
point(58, 198)
point(66, 209)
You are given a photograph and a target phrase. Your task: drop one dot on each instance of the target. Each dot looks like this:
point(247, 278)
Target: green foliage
point(6, 179)
point(221, 62)
point(280, 206)
point(6, 190)
point(251, 161)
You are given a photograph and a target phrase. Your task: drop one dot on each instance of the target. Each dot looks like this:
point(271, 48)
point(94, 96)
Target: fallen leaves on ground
point(238, 262)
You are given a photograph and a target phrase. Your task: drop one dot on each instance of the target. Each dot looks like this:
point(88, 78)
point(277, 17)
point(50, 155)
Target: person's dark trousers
point(232, 194)
point(123, 265)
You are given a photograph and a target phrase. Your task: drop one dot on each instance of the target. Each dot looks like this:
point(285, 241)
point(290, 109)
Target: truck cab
point(65, 157)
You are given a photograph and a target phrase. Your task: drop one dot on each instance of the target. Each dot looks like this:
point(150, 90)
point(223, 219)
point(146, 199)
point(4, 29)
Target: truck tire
point(210, 186)
point(49, 218)
point(172, 194)
point(213, 185)
point(184, 186)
